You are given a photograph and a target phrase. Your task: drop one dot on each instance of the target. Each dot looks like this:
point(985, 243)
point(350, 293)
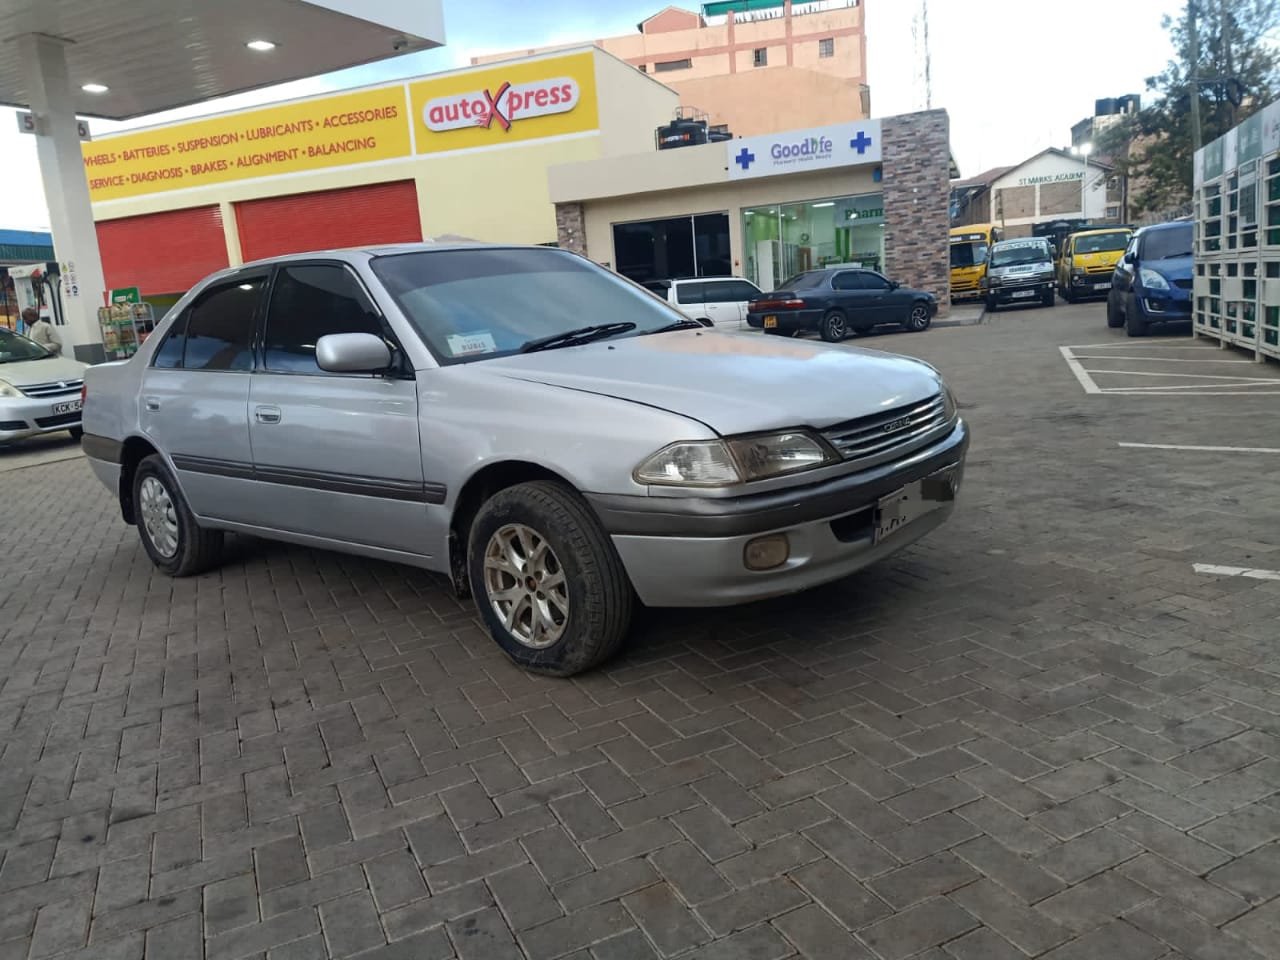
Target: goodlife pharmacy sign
point(796, 151)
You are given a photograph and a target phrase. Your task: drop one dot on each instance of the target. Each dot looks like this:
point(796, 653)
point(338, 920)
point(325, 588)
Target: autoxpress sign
point(530, 100)
point(796, 151)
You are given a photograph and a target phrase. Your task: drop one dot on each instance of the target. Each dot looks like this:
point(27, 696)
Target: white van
point(722, 300)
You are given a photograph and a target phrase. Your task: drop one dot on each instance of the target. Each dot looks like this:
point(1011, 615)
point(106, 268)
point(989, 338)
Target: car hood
point(24, 373)
point(1173, 268)
point(732, 382)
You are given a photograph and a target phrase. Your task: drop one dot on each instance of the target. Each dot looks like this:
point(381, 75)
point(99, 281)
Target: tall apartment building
point(755, 66)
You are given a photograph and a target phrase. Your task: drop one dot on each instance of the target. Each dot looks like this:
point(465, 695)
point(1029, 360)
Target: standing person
point(41, 331)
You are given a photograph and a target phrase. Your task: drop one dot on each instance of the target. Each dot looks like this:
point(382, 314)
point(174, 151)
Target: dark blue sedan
point(1152, 281)
point(839, 301)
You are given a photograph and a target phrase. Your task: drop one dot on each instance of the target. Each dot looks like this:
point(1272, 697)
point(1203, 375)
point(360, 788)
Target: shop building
point(463, 153)
point(872, 192)
point(754, 66)
point(1052, 186)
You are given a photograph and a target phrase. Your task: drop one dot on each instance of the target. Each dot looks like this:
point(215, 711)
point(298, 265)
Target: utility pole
point(1193, 78)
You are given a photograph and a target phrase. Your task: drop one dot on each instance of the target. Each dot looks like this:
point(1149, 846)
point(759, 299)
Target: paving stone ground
point(1038, 733)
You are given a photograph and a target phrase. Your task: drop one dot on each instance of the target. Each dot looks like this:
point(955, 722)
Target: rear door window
point(168, 355)
point(691, 293)
point(220, 326)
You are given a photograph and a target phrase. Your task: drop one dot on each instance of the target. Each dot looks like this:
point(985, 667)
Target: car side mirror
point(1131, 257)
point(894, 285)
point(352, 353)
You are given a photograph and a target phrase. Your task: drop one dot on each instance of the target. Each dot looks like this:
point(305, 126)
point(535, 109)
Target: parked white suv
point(721, 300)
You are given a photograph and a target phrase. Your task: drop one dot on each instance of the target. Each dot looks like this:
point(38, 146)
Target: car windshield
point(477, 304)
point(803, 281)
point(1102, 242)
point(1019, 255)
point(968, 253)
point(1166, 244)
point(15, 348)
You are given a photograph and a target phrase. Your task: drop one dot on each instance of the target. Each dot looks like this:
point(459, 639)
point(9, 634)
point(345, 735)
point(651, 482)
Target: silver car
point(556, 440)
point(39, 390)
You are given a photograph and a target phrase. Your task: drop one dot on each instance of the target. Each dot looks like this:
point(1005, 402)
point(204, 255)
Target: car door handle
point(152, 403)
point(267, 414)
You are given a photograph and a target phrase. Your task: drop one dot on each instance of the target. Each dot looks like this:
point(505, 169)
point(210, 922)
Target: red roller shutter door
point(329, 219)
point(162, 252)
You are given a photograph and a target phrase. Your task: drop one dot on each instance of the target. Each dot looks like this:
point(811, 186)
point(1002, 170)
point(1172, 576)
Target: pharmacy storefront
point(768, 207)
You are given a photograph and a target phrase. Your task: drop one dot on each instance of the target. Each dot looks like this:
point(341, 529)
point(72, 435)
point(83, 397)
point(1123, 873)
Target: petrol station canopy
point(153, 55)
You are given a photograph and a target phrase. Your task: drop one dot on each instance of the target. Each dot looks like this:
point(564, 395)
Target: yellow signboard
point(527, 100)
point(294, 137)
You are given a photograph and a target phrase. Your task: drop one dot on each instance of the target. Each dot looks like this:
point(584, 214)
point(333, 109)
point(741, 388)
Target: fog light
point(765, 553)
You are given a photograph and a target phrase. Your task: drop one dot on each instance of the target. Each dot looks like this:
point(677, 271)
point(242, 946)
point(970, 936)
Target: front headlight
point(772, 456)
point(7, 389)
point(723, 463)
point(1077, 273)
point(697, 463)
point(1152, 280)
point(994, 281)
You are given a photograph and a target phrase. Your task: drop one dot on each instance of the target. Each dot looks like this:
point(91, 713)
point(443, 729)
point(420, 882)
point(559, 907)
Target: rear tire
point(1134, 325)
point(569, 602)
point(835, 327)
point(176, 544)
point(1115, 318)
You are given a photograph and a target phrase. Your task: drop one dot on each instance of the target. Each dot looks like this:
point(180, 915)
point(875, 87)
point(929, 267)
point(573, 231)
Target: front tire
point(991, 305)
point(548, 583)
point(76, 433)
point(1048, 299)
point(835, 327)
point(918, 320)
point(1115, 318)
point(176, 544)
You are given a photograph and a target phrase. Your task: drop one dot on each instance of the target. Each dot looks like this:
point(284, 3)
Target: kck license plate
point(71, 406)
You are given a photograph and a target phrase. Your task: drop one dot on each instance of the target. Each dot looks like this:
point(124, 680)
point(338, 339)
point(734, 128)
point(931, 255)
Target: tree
point(1237, 70)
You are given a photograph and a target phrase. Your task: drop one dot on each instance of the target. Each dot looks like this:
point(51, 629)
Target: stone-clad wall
point(917, 190)
point(571, 227)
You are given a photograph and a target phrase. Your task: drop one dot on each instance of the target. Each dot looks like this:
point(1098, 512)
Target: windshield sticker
point(471, 344)
point(1020, 244)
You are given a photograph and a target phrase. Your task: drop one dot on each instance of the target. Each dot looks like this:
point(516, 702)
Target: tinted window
point(846, 281)
point(872, 281)
point(691, 292)
point(307, 303)
point(805, 281)
point(220, 327)
point(732, 291)
point(1102, 242)
point(1163, 244)
point(169, 354)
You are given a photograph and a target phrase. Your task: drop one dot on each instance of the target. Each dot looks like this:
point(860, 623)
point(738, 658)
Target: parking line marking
point(1186, 344)
point(1081, 373)
point(1219, 571)
point(1160, 359)
point(1189, 376)
point(1165, 392)
point(1181, 446)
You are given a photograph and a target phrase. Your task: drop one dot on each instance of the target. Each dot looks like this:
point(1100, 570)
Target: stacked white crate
point(1236, 286)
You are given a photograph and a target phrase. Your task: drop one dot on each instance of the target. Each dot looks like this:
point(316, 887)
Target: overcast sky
point(1013, 75)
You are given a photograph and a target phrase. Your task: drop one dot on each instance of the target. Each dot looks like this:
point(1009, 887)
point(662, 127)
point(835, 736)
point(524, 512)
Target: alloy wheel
point(526, 585)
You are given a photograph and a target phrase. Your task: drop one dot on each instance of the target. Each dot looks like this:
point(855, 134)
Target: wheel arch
point(132, 453)
point(479, 487)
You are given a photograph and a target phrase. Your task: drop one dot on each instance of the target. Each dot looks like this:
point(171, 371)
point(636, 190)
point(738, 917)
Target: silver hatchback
point(555, 439)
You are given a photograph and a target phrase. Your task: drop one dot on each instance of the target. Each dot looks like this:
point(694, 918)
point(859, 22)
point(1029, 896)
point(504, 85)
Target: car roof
point(1096, 230)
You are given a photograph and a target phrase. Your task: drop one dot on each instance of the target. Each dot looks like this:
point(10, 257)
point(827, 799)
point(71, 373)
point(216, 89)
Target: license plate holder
point(1019, 294)
point(1102, 286)
point(913, 501)
point(71, 406)
point(770, 323)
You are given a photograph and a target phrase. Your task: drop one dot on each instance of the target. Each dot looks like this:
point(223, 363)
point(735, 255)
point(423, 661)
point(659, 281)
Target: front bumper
point(1022, 292)
point(688, 552)
point(1091, 285)
point(1170, 305)
point(23, 417)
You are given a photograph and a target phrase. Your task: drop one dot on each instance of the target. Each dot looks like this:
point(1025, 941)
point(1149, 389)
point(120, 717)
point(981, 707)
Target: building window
point(664, 66)
point(1113, 213)
point(781, 241)
point(827, 47)
point(760, 57)
point(644, 68)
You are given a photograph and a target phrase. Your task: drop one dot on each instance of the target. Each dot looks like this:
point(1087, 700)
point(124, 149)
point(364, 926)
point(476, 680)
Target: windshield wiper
point(570, 338)
point(684, 323)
